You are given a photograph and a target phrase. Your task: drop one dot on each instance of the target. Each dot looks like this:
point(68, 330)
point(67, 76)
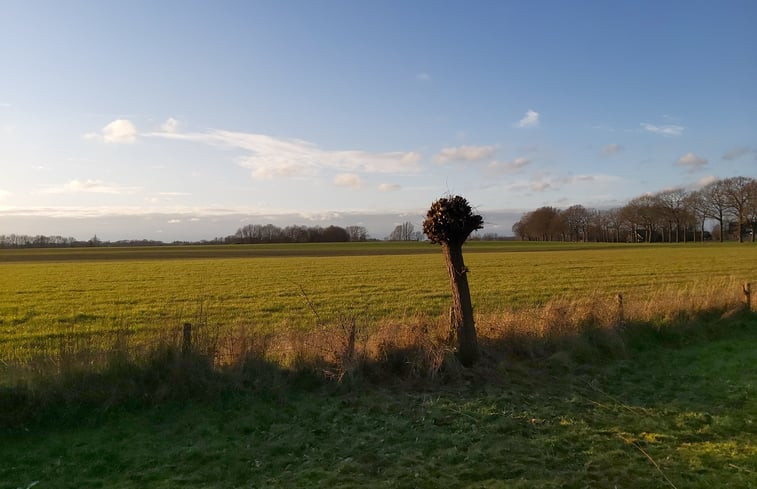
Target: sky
point(186, 120)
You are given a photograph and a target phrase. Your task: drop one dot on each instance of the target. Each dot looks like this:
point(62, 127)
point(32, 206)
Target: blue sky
point(186, 120)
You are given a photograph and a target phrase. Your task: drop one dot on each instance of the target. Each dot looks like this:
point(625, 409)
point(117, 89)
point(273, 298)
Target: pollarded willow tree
point(449, 222)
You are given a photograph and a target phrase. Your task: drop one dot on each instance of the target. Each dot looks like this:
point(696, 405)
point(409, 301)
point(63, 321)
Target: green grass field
point(674, 407)
point(46, 293)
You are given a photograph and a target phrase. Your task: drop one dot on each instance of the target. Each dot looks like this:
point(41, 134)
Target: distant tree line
point(41, 241)
point(26, 241)
point(268, 233)
point(676, 215)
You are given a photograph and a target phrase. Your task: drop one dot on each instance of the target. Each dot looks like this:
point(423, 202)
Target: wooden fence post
point(186, 344)
point(747, 290)
point(621, 316)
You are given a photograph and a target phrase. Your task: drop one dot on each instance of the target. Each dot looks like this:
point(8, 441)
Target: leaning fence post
point(186, 344)
point(620, 318)
point(747, 290)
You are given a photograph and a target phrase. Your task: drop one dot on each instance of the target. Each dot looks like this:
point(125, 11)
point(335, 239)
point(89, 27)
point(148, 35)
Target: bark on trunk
point(462, 309)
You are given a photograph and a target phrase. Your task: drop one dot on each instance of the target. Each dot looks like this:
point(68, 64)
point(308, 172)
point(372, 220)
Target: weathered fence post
point(186, 344)
point(747, 290)
point(621, 315)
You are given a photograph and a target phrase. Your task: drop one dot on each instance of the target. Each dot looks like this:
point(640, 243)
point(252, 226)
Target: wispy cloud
point(271, 157)
point(530, 119)
point(508, 167)
point(90, 186)
point(161, 197)
point(737, 153)
point(4, 194)
point(611, 149)
point(389, 187)
point(691, 162)
point(465, 153)
point(351, 180)
point(704, 181)
point(423, 77)
point(542, 182)
point(171, 125)
point(666, 130)
point(5, 105)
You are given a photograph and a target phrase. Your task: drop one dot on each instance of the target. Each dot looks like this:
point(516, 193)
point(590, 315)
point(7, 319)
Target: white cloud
point(704, 181)
point(271, 157)
point(691, 162)
point(611, 149)
point(171, 125)
point(464, 153)
point(348, 180)
point(668, 130)
point(531, 119)
point(5, 105)
point(117, 131)
point(541, 186)
point(174, 221)
point(737, 153)
point(423, 77)
point(4, 194)
point(389, 187)
point(90, 186)
point(508, 167)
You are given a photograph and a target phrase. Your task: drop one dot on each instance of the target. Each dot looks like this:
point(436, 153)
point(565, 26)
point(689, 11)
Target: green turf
point(666, 417)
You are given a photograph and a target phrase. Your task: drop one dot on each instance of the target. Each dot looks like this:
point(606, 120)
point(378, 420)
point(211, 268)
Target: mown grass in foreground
point(677, 411)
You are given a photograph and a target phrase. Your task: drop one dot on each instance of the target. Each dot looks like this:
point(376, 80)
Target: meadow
point(571, 390)
point(84, 292)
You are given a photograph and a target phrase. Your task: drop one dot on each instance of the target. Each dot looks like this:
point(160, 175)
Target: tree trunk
point(462, 309)
point(722, 231)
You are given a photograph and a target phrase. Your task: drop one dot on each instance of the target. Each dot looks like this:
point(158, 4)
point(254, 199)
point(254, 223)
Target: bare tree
point(357, 233)
point(673, 207)
point(449, 222)
point(737, 196)
point(576, 218)
point(716, 203)
point(543, 224)
point(403, 232)
point(697, 207)
point(751, 212)
point(644, 211)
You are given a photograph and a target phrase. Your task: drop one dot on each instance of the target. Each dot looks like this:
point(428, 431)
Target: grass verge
point(674, 411)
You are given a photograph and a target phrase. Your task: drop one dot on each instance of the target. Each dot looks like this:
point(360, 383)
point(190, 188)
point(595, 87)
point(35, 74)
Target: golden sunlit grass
point(92, 294)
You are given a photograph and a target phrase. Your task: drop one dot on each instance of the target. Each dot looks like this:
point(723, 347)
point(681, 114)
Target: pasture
point(674, 408)
point(48, 293)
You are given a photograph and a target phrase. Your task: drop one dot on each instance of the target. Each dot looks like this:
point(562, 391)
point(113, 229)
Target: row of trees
point(41, 241)
point(268, 233)
point(676, 215)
